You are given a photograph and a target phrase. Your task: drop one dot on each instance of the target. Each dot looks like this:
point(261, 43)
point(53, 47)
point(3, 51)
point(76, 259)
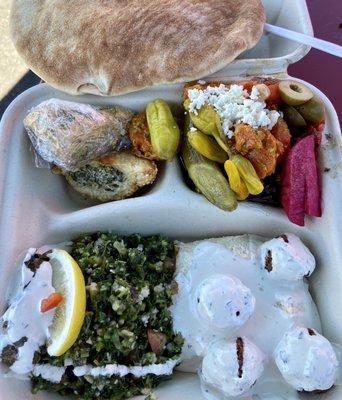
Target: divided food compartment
point(38, 207)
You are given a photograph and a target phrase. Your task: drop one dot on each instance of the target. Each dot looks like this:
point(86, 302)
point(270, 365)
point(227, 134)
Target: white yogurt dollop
point(222, 295)
point(287, 258)
point(23, 326)
point(306, 360)
point(222, 301)
point(231, 367)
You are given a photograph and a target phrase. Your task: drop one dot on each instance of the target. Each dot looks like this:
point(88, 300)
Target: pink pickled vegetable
point(300, 192)
point(312, 187)
point(293, 186)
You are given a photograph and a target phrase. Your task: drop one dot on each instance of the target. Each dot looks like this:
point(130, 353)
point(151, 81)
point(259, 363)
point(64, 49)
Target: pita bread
point(111, 47)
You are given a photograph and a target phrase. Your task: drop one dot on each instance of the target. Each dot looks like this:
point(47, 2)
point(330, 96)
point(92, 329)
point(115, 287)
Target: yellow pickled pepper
point(248, 174)
point(235, 181)
point(243, 178)
point(164, 131)
point(208, 121)
point(207, 146)
point(205, 118)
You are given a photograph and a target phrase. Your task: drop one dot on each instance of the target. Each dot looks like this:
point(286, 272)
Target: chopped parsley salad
point(127, 326)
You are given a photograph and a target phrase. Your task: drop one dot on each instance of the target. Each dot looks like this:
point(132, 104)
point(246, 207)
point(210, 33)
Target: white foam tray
point(37, 207)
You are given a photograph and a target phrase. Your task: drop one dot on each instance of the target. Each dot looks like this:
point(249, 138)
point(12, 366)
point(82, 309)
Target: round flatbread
point(116, 46)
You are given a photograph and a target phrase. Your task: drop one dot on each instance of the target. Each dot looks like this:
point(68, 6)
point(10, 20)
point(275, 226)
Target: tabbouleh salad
point(129, 282)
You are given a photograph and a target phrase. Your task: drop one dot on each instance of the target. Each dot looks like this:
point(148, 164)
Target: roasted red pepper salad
point(255, 140)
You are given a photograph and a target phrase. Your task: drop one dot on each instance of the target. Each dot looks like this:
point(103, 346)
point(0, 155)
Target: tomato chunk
point(248, 85)
point(157, 341)
point(317, 130)
point(274, 97)
point(50, 302)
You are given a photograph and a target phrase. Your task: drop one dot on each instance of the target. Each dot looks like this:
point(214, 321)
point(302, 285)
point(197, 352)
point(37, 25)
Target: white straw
point(319, 44)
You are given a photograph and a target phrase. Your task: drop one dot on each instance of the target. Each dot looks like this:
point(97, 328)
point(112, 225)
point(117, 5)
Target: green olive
point(292, 116)
point(294, 93)
point(312, 111)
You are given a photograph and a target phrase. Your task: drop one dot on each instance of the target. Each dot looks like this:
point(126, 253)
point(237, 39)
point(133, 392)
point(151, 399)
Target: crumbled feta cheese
point(193, 129)
point(254, 93)
point(140, 247)
point(234, 105)
point(145, 319)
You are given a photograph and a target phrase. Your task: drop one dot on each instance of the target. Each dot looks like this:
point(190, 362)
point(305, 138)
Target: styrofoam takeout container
point(38, 208)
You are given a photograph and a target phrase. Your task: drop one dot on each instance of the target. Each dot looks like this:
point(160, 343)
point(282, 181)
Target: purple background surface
point(321, 69)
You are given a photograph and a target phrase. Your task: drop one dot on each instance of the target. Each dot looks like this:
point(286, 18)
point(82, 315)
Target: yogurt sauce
point(23, 320)
point(54, 374)
point(260, 308)
point(279, 305)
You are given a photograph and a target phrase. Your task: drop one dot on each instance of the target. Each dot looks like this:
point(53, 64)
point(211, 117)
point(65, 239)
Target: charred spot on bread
point(268, 261)
point(239, 354)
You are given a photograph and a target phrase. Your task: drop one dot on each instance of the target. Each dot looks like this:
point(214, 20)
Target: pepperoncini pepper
point(246, 172)
point(208, 121)
point(164, 131)
point(236, 183)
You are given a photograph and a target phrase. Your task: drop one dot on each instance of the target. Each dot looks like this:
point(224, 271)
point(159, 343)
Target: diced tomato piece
point(274, 97)
point(50, 302)
point(248, 85)
point(157, 341)
point(316, 130)
point(282, 133)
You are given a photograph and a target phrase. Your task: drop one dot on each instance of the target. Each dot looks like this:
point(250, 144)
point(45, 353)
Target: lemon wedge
point(68, 280)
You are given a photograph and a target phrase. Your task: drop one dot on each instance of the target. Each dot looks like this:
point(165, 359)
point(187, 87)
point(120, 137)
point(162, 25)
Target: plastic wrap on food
point(70, 135)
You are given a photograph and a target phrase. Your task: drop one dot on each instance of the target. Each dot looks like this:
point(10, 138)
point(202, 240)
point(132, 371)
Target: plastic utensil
point(319, 44)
